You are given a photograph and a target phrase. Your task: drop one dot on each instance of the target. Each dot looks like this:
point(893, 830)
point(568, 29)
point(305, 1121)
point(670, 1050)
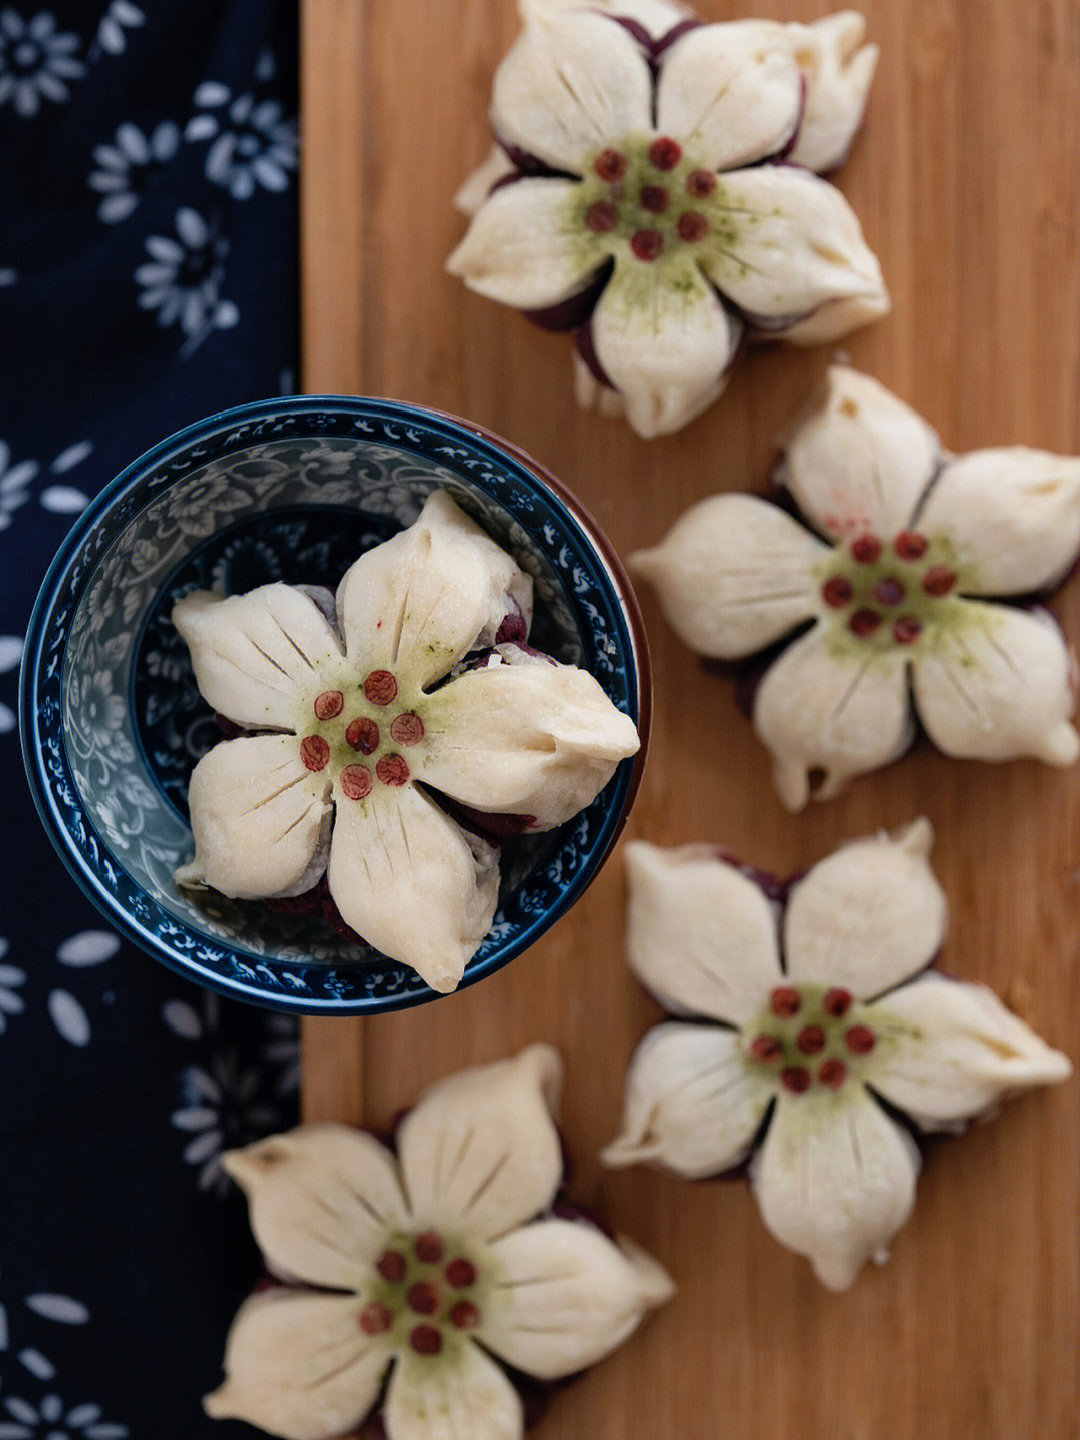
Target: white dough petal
point(700, 935)
point(571, 83)
point(731, 93)
point(410, 881)
point(867, 916)
point(692, 1102)
point(460, 1394)
point(419, 602)
point(534, 739)
point(257, 656)
point(1011, 517)
point(526, 246)
point(259, 818)
point(997, 684)
point(838, 69)
point(323, 1199)
point(860, 461)
point(948, 1051)
point(665, 346)
point(835, 1180)
point(479, 1151)
point(567, 1296)
point(298, 1365)
point(734, 574)
point(828, 713)
point(476, 188)
point(796, 252)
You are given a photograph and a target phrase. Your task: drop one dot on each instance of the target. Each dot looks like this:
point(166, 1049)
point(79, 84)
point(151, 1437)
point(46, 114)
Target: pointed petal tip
point(1061, 746)
point(624, 1150)
point(544, 1065)
point(251, 1163)
point(644, 562)
point(837, 1273)
point(218, 1404)
point(1051, 1067)
point(657, 1286)
point(917, 838)
point(193, 604)
point(1058, 1067)
point(792, 782)
point(445, 981)
point(646, 861)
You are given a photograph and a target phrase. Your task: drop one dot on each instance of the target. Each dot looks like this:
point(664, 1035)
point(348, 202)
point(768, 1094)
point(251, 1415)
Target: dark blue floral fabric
point(148, 277)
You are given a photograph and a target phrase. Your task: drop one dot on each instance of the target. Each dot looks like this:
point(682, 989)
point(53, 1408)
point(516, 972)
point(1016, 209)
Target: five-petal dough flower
point(355, 721)
point(644, 199)
point(915, 539)
point(811, 1040)
point(417, 1257)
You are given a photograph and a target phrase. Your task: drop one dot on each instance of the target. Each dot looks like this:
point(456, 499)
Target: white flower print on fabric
point(14, 483)
point(52, 1419)
point(48, 1418)
point(432, 1264)
point(88, 947)
point(822, 1007)
point(903, 596)
point(79, 952)
point(10, 977)
point(355, 731)
point(120, 16)
point(66, 499)
point(11, 650)
point(653, 189)
point(36, 61)
point(227, 1103)
point(253, 143)
point(223, 1106)
point(125, 166)
point(182, 280)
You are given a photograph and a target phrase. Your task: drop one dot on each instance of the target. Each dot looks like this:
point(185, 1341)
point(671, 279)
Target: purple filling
point(513, 626)
point(575, 310)
point(771, 885)
point(583, 339)
point(793, 138)
point(527, 163)
point(654, 46)
point(228, 728)
point(495, 827)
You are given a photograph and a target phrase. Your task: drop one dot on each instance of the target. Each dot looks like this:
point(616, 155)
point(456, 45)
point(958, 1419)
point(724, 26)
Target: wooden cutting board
point(967, 181)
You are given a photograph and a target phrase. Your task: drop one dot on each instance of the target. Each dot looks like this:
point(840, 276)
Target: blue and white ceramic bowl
point(288, 489)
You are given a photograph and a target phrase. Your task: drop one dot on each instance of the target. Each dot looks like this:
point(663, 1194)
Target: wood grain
point(966, 179)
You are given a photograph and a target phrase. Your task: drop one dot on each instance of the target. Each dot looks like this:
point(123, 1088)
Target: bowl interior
point(293, 495)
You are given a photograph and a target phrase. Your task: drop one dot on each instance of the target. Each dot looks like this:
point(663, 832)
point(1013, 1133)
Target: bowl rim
point(145, 937)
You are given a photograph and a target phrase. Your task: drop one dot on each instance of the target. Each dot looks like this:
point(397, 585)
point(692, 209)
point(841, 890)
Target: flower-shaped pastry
point(819, 1019)
point(653, 189)
point(431, 1263)
point(358, 716)
point(894, 597)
